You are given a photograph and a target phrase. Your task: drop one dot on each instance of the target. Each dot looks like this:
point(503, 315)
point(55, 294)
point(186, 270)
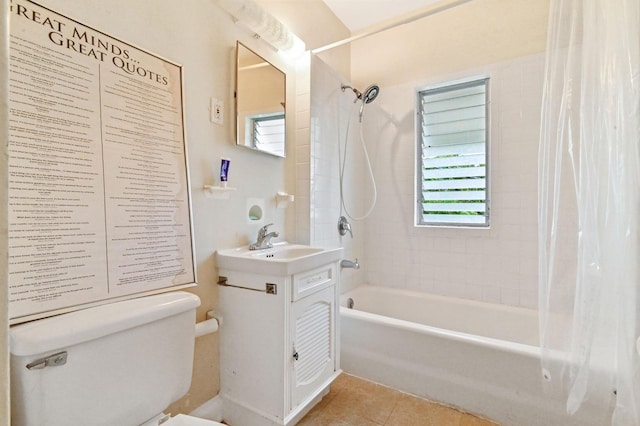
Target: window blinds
point(453, 143)
point(268, 133)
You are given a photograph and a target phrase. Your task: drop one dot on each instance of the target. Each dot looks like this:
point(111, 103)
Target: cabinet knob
point(295, 356)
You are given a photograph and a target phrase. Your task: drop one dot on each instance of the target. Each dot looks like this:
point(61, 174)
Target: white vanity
point(279, 333)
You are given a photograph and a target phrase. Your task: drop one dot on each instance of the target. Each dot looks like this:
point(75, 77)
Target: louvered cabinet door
point(313, 352)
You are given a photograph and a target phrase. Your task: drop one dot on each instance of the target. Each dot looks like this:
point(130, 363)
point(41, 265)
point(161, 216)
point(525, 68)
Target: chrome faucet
point(263, 241)
point(344, 226)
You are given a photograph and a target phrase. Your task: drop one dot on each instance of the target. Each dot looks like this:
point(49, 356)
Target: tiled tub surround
point(498, 264)
point(318, 178)
point(480, 357)
point(333, 116)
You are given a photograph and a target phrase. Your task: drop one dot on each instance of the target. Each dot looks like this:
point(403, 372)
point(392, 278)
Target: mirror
point(260, 103)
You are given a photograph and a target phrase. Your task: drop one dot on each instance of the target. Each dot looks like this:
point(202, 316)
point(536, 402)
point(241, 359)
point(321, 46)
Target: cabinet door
point(313, 334)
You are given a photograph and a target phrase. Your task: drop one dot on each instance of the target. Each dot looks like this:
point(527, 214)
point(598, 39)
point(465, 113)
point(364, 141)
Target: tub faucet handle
point(344, 226)
point(263, 231)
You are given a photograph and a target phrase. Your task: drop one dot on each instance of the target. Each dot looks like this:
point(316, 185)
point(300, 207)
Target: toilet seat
point(183, 420)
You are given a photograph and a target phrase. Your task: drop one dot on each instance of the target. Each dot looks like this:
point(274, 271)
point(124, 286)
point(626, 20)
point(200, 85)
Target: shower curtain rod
point(401, 21)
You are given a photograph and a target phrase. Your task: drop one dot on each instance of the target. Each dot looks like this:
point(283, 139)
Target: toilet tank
point(125, 362)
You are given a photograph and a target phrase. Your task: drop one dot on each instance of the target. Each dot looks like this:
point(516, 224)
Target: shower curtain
point(588, 216)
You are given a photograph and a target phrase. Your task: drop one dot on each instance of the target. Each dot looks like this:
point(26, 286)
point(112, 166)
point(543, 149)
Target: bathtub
point(479, 357)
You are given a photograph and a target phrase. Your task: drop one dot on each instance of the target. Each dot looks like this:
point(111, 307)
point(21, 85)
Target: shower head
point(367, 96)
point(370, 94)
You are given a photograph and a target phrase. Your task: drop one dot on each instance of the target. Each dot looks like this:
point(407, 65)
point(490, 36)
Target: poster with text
point(98, 186)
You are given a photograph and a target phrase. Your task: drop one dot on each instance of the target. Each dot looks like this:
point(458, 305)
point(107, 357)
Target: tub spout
point(345, 263)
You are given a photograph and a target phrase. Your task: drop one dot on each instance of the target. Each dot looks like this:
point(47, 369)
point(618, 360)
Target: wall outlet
point(217, 111)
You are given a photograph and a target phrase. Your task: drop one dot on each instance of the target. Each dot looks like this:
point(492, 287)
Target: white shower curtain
point(589, 175)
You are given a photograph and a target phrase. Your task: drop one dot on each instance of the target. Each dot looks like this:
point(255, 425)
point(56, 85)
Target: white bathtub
point(482, 358)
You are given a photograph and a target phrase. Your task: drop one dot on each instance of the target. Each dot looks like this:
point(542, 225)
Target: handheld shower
point(366, 97)
point(371, 93)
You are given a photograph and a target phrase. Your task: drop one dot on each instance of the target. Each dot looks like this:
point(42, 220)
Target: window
point(267, 132)
point(452, 187)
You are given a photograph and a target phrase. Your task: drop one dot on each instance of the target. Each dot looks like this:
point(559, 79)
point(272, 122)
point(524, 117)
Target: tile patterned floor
point(356, 402)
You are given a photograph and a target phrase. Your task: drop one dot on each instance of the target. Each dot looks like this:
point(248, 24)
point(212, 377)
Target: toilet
point(117, 364)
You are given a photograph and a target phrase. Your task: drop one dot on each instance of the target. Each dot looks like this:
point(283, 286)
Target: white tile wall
point(495, 265)
point(329, 109)
point(303, 149)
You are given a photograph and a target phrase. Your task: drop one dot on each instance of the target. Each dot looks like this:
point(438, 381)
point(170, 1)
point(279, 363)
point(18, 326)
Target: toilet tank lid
point(69, 329)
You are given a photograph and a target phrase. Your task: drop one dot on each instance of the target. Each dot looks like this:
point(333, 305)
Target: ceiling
point(359, 14)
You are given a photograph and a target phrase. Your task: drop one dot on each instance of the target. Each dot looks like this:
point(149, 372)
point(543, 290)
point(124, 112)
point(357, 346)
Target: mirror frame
point(241, 117)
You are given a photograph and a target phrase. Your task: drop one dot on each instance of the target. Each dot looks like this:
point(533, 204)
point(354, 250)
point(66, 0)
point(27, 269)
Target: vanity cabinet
point(278, 343)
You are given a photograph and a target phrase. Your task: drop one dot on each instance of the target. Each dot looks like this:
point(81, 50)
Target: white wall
point(476, 33)
point(495, 265)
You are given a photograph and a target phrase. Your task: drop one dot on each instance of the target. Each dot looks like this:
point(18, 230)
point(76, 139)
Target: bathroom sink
point(281, 259)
